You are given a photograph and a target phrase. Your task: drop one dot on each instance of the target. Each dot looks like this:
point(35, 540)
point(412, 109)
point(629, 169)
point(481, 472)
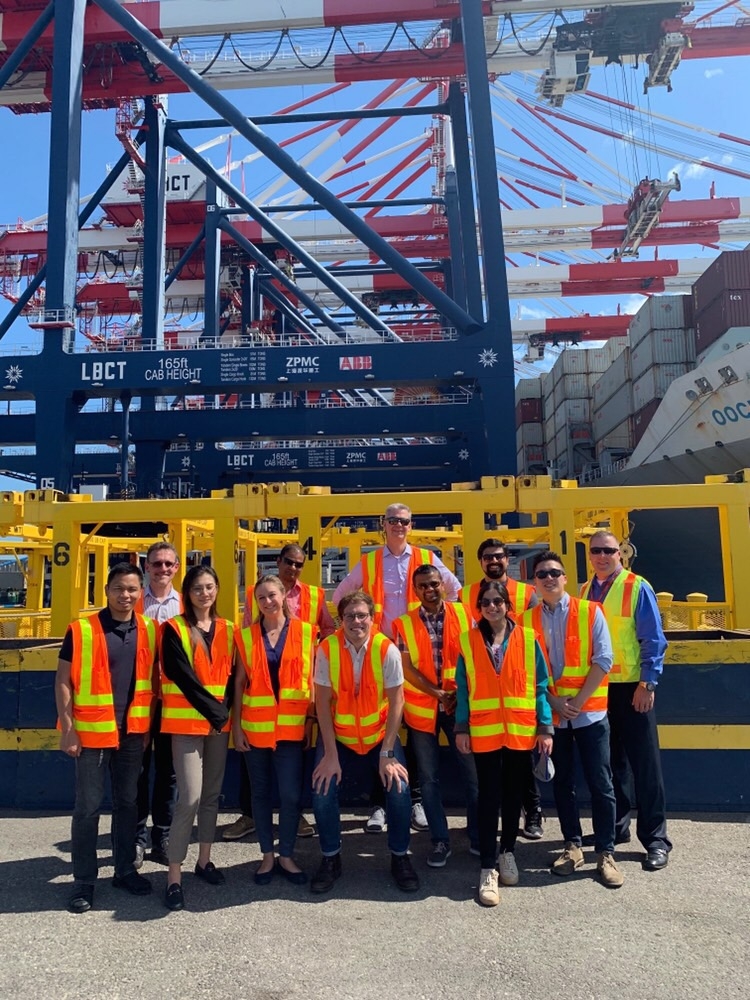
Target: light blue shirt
point(161, 610)
point(555, 624)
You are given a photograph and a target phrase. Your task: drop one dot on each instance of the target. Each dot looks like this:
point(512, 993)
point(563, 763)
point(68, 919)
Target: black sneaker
point(533, 825)
point(174, 900)
point(403, 872)
point(134, 883)
point(82, 899)
point(326, 875)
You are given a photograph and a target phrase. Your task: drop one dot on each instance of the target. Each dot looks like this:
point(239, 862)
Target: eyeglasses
point(292, 562)
point(403, 521)
point(428, 585)
point(354, 617)
point(494, 557)
point(157, 563)
point(200, 588)
point(605, 550)
point(542, 574)
point(492, 602)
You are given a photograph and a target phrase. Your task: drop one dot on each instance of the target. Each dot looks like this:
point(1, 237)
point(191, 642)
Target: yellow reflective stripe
point(181, 713)
point(170, 688)
point(216, 689)
point(462, 616)
point(345, 720)
point(517, 702)
point(291, 720)
point(493, 730)
point(363, 739)
point(294, 693)
point(426, 713)
point(259, 700)
point(370, 720)
point(247, 643)
point(259, 727)
point(139, 711)
point(144, 685)
point(485, 704)
point(93, 700)
point(95, 727)
point(518, 730)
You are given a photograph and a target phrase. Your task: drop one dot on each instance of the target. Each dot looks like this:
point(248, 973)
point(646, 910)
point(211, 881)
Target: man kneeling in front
point(359, 700)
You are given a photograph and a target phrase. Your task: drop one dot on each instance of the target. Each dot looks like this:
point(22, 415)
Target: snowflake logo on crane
point(186, 462)
point(14, 374)
point(487, 357)
point(463, 454)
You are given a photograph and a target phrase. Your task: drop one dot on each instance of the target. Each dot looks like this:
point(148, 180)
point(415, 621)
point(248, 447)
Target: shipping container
point(730, 269)
point(529, 434)
point(654, 383)
point(619, 438)
point(528, 388)
point(572, 411)
point(616, 376)
point(730, 341)
point(548, 385)
point(573, 386)
point(642, 418)
point(598, 362)
point(730, 309)
point(570, 454)
point(549, 430)
point(662, 347)
point(528, 411)
point(531, 460)
point(571, 361)
point(658, 312)
point(613, 349)
point(614, 412)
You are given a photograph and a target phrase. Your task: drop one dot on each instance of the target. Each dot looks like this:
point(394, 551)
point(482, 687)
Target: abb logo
point(356, 363)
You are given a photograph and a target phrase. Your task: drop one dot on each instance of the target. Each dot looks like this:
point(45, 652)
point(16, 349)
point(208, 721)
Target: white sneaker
point(376, 822)
point(506, 863)
point(489, 894)
point(419, 818)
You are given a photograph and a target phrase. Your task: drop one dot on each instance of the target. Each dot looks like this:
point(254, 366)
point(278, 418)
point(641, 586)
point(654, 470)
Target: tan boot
point(569, 861)
point(608, 872)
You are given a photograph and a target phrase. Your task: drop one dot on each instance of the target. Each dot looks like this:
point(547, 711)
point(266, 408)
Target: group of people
point(515, 675)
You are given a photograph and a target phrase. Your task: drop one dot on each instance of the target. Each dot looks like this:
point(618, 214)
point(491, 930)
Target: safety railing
point(20, 624)
point(696, 614)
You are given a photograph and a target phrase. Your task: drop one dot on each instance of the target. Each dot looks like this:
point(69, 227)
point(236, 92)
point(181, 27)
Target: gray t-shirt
point(393, 673)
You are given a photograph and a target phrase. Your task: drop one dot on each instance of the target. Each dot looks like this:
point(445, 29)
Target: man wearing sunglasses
point(579, 651)
point(493, 559)
point(630, 607)
point(159, 601)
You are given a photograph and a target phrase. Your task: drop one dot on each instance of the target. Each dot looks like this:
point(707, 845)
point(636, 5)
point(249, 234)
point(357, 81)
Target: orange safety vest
point(619, 610)
point(140, 604)
point(93, 703)
point(358, 719)
point(520, 595)
point(264, 720)
point(372, 579)
point(502, 707)
point(177, 714)
point(579, 640)
point(420, 708)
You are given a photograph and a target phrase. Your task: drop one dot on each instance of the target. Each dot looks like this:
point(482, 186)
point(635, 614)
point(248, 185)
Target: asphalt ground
point(680, 933)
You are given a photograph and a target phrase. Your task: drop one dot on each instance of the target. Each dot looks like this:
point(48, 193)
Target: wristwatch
point(647, 686)
point(387, 753)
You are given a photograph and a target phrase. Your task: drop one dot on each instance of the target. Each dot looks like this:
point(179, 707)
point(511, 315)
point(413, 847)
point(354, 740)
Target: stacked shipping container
point(721, 299)
point(530, 451)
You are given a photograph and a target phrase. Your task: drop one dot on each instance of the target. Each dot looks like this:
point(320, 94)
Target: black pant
point(377, 792)
point(164, 794)
point(636, 769)
point(532, 800)
point(502, 776)
point(245, 795)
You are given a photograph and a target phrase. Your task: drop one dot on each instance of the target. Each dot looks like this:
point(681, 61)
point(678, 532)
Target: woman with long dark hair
point(197, 652)
point(501, 714)
point(273, 687)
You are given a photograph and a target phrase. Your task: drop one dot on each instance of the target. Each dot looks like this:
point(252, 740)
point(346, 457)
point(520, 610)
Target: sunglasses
point(403, 521)
point(293, 562)
point(602, 550)
point(158, 563)
point(494, 557)
point(542, 574)
point(491, 602)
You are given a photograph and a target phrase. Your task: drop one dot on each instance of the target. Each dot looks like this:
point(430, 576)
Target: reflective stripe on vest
point(502, 707)
point(177, 714)
point(420, 708)
point(372, 579)
point(578, 648)
point(264, 720)
point(358, 719)
point(93, 706)
point(619, 609)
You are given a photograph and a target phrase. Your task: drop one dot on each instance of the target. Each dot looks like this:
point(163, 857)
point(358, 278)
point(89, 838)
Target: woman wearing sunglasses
point(197, 653)
point(274, 689)
point(501, 714)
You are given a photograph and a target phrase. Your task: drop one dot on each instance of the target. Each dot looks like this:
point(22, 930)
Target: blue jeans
point(123, 764)
point(427, 751)
point(286, 764)
point(397, 800)
point(593, 748)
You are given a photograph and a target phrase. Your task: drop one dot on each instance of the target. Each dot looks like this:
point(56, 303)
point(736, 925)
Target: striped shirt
point(161, 609)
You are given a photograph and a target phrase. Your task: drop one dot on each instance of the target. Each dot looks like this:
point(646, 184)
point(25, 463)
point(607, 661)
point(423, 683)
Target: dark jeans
point(377, 792)
point(285, 763)
point(427, 753)
point(593, 749)
point(636, 769)
point(244, 793)
point(397, 800)
point(164, 793)
point(123, 765)
point(502, 777)
point(532, 800)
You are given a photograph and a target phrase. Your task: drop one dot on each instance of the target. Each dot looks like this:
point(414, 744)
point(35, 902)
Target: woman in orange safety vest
point(197, 653)
point(501, 714)
point(273, 688)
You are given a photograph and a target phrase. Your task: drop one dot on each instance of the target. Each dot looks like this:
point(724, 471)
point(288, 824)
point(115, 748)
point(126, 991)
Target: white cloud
point(727, 158)
point(711, 73)
point(630, 305)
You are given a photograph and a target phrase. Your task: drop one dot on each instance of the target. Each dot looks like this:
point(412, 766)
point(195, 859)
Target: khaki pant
point(199, 765)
